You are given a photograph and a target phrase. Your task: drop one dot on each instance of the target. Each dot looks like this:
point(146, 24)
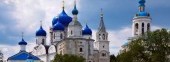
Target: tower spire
point(22, 35)
point(142, 5)
point(101, 25)
point(40, 22)
point(101, 12)
point(75, 11)
point(63, 4)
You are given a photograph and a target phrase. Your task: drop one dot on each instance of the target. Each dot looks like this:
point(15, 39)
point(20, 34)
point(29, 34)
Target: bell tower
point(141, 21)
point(102, 43)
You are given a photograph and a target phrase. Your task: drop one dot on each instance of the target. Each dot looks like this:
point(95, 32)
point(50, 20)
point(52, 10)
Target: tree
point(112, 58)
point(151, 47)
point(68, 58)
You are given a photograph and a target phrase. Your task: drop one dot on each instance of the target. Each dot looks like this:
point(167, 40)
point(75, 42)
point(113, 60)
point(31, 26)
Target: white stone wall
point(74, 31)
point(140, 20)
point(39, 40)
point(58, 35)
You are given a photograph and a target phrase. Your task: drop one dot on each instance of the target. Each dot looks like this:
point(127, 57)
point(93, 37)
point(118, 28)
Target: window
point(71, 32)
point(136, 28)
point(54, 35)
point(43, 41)
point(61, 36)
point(104, 54)
point(148, 27)
point(81, 49)
point(103, 36)
point(143, 28)
point(99, 36)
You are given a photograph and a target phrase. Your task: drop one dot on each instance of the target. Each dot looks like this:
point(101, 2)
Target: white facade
point(140, 25)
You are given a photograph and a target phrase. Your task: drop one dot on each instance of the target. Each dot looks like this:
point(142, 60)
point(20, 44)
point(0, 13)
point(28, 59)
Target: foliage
point(151, 47)
point(68, 58)
point(112, 58)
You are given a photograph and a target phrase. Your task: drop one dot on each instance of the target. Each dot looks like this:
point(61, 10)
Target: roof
point(22, 55)
point(41, 32)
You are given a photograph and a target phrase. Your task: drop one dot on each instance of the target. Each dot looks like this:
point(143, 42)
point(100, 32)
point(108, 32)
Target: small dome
point(22, 42)
point(87, 31)
point(142, 14)
point(75, 11)
point(58, 26)
point(55, 19)
point(41, 32)
point(142, 2)
point(64, 18)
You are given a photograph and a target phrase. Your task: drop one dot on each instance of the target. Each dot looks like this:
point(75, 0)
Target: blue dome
point(142, 14)
point(55, 19)
point(87, 31)
point(58, 26)
point(75, 11)
point(41, 32)
point(142, 2)
point(22, 42)
point(64, 18)
point(23, 55)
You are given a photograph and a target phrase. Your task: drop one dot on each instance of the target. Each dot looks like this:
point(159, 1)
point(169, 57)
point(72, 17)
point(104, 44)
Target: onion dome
point(142, 2)
point(64, 18)
point(55, 19)
point(22, 42)
point(41, 32)
point(58, 26)
point(87, 31)
point(142, 14)
point(75, 11)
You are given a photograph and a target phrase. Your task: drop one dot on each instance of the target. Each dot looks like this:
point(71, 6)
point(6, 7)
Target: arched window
point(103, 36)
point(143, 28)
point(99, 36)
point(104, 54)
point(71, 32)
point(54, 35)
point(81, 50)
point(43, 41)
point(136, 28)
point(61, 36)
point(148, 27)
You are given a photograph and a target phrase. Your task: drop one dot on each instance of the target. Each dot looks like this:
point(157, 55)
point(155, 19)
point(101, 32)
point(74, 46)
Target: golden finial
point(22, 34)
point(40, 22)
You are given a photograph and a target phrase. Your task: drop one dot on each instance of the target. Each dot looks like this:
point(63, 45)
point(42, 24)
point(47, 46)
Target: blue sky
point(18, 16)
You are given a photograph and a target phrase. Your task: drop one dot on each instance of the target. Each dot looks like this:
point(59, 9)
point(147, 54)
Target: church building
point(141, 23)
point(67, 36)
point(23, 56)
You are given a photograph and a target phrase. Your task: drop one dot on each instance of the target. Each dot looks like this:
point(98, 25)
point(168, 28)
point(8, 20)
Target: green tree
point(112, 58)
point(68, 58)
point(151, 47)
